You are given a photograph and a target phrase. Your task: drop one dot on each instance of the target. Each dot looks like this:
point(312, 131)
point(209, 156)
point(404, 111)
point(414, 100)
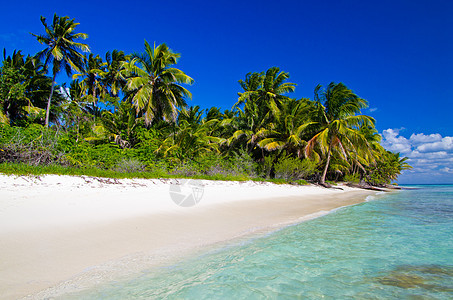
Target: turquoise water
point(396, 246)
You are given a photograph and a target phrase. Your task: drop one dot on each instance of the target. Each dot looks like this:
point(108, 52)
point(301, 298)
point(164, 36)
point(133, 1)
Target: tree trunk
point(324, 173)
point(94, 104)
point(48, 101)
point(78, 129)
point(94, 97)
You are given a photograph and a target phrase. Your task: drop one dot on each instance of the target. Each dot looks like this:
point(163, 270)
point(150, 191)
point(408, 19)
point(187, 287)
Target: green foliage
point(191, 140)
point(148, 141)
point(290, 168)
point(103, 156)
point(337, 124)
point(12, 84)
point(266, 166)
point(34, 145)
point(131, 165)
point(26, 169)
point(23, 86)
point(354, 178)
point(240, 164)
point(153, 83)
point(387, 168)
point(243, 163)
point(300, 182)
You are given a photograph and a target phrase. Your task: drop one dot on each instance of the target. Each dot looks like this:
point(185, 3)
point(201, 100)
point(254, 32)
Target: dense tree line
point(129, 112)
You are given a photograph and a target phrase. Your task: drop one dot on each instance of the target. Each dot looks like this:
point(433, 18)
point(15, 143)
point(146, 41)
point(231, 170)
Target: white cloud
point(391, 141)
point(430, 155)
point(445, 144)
point(372, 109)
point(447, 170)
point(420, 138)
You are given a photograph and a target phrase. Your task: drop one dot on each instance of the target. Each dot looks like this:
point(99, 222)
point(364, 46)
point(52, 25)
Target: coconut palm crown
point(153, 84)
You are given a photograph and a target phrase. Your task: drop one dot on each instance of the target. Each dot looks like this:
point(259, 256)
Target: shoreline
point(78, 228)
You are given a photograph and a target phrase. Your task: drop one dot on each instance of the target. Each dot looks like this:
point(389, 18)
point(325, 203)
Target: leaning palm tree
point(338, 124)
point(389, 165)
point(62, 50)
point(154, 85)
point(362, 160)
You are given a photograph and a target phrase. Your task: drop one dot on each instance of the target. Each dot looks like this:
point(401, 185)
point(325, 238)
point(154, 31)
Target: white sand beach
point(62, 232)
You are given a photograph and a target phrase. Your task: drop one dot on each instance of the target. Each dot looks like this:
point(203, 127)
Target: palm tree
point(389, 165)
point(191, 140)
point(13, 84)
point(121, 125)
point(112, 77)
point(363, 159)
point(264, 94)
point(214, 113)
point(288, 132)
point(92, 73)
point(260, 105)
point(23, 87)
point(154, 85)
point(39, 85)
point(274, 88)
point(77, 116)
point(251, 85)
point(193, 115)
point(338, 123)
point(62, 49)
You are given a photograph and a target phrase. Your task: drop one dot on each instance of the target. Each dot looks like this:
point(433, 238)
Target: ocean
point(396, 245)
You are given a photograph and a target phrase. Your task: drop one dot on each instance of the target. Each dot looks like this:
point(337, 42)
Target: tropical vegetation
point(128, 114)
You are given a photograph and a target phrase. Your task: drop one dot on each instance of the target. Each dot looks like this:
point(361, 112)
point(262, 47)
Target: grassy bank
point(22, 169)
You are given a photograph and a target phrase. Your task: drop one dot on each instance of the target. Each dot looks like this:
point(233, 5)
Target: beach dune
point(60, 233)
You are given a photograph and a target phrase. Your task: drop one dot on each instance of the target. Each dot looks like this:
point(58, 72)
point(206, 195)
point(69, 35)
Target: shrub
point(33, 145)
point(290, 168)
point(240, 164)
point(185, 169)
point(354, 178)
point(300, 182)
point(131, 165)
point(104, 156)
point(145, 148)
point(265, 168)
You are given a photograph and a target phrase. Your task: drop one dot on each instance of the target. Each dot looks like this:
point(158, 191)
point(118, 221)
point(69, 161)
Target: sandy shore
point(60, 233)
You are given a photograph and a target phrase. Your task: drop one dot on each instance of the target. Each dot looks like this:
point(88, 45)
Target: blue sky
point(396, 54)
